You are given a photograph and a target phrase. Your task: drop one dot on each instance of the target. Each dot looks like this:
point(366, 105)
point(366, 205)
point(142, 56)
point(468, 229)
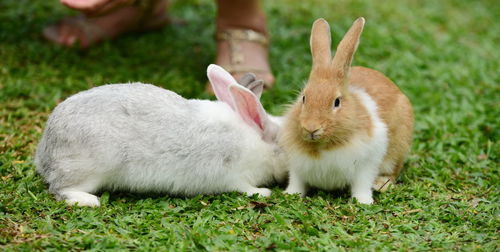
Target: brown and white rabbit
point(351, 126)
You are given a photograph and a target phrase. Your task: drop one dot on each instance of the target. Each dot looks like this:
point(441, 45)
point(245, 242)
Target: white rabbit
point(142, 138)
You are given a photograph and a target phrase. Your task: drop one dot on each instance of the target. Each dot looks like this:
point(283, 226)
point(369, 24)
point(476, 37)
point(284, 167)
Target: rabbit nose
point(312, 134)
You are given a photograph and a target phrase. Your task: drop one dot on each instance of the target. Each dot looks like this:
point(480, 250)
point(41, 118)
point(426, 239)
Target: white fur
point(355, 164)
point(278, 120)
point(142, 138)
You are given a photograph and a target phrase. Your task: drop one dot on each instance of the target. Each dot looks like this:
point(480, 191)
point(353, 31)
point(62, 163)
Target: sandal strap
point(236, 69)
point(243, 34)
point(234, 37)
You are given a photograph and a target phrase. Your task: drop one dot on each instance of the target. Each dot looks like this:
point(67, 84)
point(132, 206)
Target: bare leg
point(243, 14)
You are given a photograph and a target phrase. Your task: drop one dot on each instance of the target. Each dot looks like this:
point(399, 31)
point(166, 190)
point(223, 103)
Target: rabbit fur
point(142, 138)
point(350, 127)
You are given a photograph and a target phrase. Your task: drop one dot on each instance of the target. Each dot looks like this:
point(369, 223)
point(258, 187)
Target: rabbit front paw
point(80, 198)
point(263, 192)
point(293, 190)
point(364, 198)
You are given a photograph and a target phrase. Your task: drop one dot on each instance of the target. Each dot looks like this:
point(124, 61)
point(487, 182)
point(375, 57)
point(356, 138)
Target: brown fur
point(330, 79)
point(394, 109)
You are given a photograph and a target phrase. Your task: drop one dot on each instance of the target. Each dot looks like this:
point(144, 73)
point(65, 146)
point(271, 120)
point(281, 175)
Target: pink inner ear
point(248, 106)
point(220, 80)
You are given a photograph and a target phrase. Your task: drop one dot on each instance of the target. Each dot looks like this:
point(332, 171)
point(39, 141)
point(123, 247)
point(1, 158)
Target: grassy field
point(443, 54)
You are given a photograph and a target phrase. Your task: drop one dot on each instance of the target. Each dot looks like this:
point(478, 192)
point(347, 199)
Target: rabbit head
point(325, 112)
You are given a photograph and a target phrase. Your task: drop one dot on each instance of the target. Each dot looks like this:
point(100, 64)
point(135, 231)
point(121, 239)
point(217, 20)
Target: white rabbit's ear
point(220, 80)
point(249, 107)
point(249, 80)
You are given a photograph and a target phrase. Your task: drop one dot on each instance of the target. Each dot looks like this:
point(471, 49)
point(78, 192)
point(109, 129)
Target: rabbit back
point(139, 137)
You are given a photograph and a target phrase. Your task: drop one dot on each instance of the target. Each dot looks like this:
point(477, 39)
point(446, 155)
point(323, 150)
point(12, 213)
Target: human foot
point(88, 29)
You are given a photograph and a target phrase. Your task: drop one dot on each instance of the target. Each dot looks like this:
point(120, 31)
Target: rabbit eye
point(336, 104)
point(303, 99)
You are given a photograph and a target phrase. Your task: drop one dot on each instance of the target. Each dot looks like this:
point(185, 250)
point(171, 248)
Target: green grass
point(443, 54)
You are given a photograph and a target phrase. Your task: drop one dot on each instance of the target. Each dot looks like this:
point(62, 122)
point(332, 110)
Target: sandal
point(89, 33)
point(235, 39)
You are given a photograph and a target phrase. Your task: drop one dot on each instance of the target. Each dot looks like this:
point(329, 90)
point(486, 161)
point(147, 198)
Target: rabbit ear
point(257, 87)
point(347, 47)
point(321, 43)
point(220, 80)
point(249, 80)
point(249, 107)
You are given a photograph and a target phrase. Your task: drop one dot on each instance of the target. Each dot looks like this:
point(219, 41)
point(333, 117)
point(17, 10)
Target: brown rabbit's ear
point(321, 43)
point(347, 47)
